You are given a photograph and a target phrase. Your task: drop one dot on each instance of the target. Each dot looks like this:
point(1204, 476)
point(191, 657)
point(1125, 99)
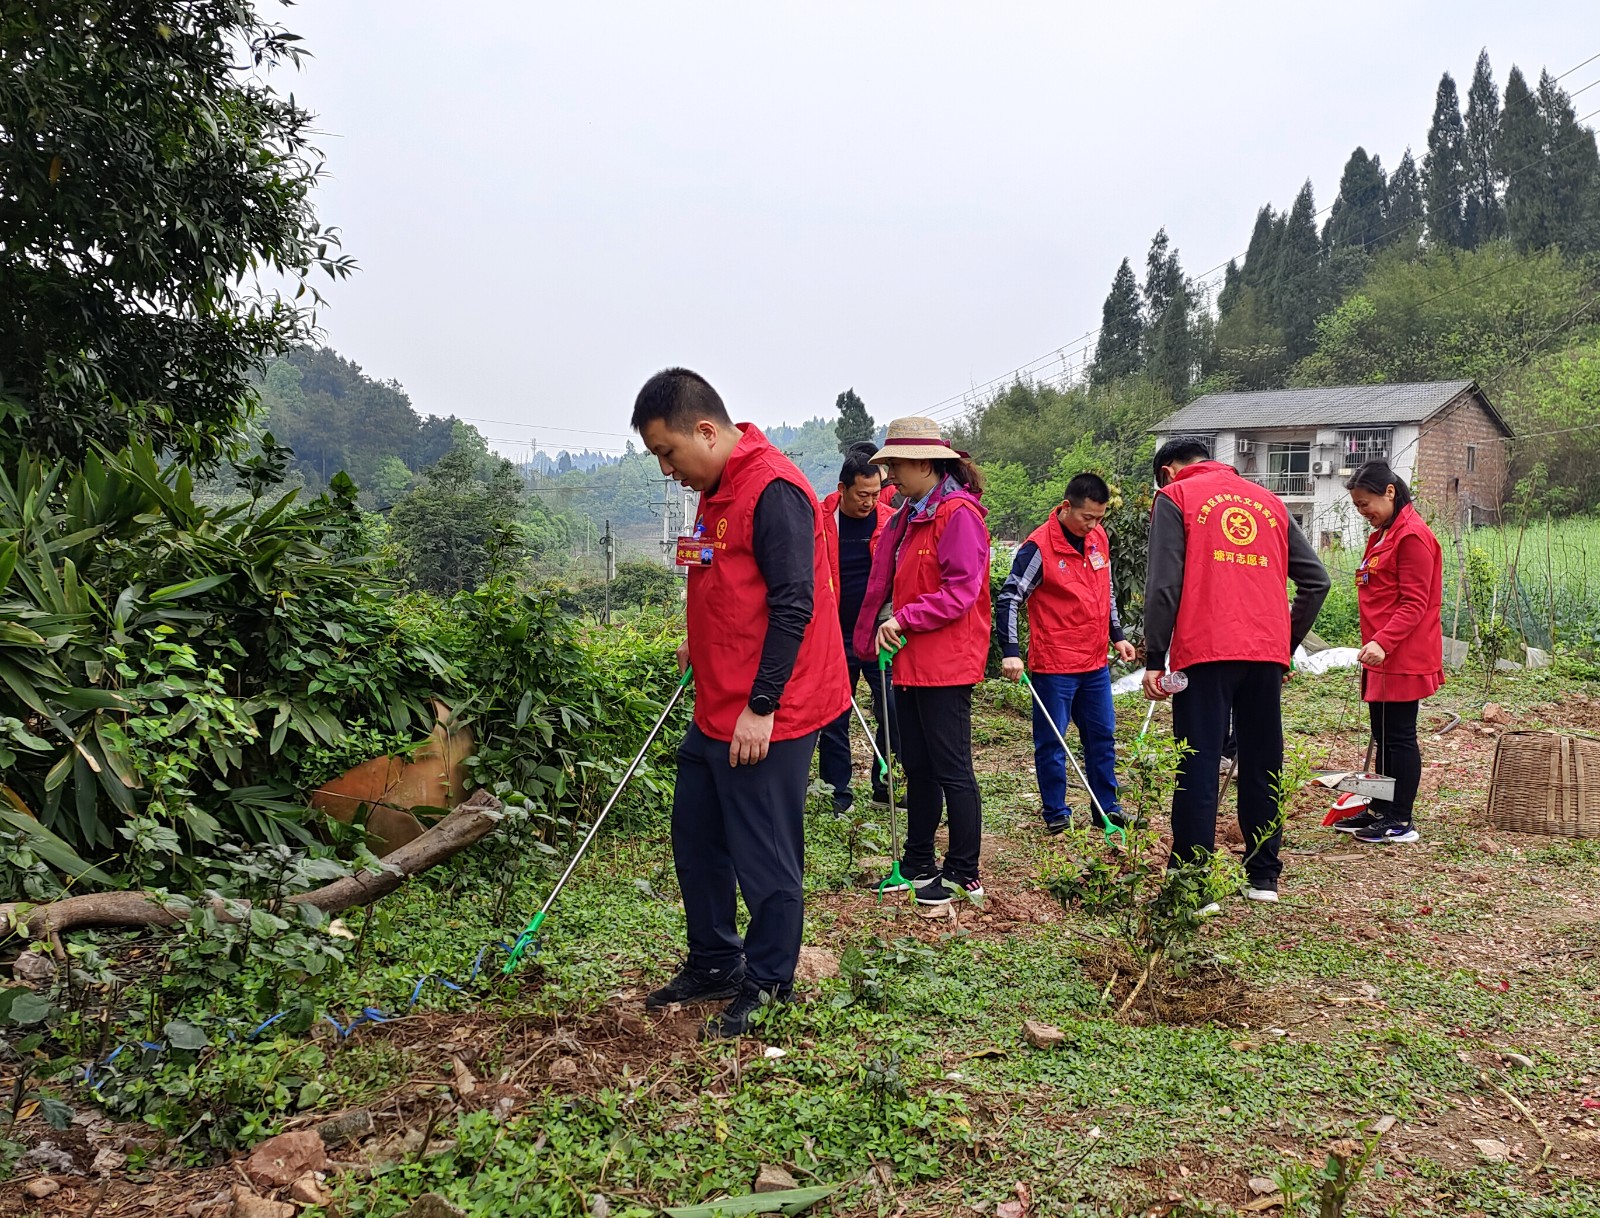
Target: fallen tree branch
point(470, 822)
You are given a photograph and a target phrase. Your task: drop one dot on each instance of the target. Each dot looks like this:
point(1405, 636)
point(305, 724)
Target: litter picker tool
point(1110, 827)
point(525, 939)
point(1366, 784)
point(895, 878)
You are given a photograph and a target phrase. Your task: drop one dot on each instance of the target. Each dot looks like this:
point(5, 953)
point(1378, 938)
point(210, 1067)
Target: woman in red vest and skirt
point(1399, 587)
point(929, 589)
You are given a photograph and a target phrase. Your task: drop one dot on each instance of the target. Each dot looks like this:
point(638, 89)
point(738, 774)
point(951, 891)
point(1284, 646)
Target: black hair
point(1180, 448)
point(1375, 477)
point(963, 471)
point(1087, 486)
point(680, 399)
point(858, 463)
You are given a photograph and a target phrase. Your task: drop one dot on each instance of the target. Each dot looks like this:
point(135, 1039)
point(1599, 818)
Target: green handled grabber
point(525, 939)
point(894, 879)
point(1111, 828)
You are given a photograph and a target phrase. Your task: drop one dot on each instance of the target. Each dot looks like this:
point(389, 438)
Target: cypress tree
point(1574, 170)
point(1484, 218)
point(1261, 258)
point(1357, 218)
point(1120, 351)
point(1297, 297)
point(1444, 170)
point(1402, 210)
point(1232, 285)
point(1523, 162)
point(855, 424)
point(1172, 339)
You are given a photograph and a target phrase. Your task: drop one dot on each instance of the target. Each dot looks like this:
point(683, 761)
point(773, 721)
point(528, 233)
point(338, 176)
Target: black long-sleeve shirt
point(1163, 587)
point(784, 540)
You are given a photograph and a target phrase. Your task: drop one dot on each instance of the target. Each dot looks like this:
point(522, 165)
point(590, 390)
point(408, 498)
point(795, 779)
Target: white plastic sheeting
point(1316, 662)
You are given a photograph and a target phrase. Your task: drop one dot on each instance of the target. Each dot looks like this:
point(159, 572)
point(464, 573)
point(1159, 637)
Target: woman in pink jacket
point(929, 590)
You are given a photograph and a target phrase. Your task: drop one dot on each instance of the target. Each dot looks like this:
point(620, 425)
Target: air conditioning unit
point(1322, 467)
point(1244, 446)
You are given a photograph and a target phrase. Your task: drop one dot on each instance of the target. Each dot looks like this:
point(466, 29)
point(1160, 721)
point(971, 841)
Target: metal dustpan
point(1366, 785)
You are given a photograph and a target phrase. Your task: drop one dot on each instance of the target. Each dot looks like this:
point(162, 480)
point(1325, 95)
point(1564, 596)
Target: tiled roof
point(1339, 406)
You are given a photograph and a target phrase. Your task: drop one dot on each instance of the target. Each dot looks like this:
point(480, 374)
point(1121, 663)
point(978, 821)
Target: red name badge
point(1097, 560)
point(693, 552)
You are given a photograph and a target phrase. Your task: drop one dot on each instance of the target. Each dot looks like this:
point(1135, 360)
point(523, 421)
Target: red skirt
point(1379, 686)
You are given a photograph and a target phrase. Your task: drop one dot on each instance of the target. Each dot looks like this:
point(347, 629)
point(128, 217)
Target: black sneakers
point(1057, 824)
point(919, 881)
point(1389, 831)
point(735, 1018)
point(1357, 823)
point(694, 984)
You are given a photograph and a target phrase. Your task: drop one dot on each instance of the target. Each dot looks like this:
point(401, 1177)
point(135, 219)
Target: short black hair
point(1088, 486)
point(858, 464)
point(1375, 477)
point(1180, 448)
point(680, 399)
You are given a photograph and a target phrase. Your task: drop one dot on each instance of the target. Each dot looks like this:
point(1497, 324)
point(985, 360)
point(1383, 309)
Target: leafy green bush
point(176, 660)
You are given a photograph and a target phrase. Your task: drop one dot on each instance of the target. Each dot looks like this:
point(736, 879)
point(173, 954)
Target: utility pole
point(609, 549)
point(666, 521)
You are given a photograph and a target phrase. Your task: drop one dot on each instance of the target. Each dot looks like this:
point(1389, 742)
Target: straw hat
point(915, 439)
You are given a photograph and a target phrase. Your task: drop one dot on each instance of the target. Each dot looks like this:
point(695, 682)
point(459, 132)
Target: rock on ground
point(773, 1179)
point(279, 1162)
point(815, 964)
point(248, 1205)
point(1042, 1035)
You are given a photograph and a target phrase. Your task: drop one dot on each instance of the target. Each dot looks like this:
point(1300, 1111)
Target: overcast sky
point(549, 202)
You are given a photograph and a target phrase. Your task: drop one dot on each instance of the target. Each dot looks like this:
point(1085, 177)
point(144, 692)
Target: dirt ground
point(1463, 894)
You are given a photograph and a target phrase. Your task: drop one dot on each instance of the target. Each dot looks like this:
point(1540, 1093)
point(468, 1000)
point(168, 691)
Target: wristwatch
point(763, 704)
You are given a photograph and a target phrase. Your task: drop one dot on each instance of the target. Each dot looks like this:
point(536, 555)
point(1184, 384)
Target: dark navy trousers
point(740, 830)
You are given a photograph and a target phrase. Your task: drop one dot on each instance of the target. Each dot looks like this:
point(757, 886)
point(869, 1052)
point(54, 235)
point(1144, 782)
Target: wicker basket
point(1546, 782)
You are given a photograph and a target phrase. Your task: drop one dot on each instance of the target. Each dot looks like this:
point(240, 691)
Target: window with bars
point(1359, 445)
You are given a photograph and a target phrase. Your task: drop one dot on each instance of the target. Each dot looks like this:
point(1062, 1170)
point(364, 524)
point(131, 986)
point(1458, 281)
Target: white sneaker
point(1262, 894)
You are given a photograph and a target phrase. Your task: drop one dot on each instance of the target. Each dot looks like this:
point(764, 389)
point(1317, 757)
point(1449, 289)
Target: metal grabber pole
point(894, 877)
point(1111, 829)
point(525, 939)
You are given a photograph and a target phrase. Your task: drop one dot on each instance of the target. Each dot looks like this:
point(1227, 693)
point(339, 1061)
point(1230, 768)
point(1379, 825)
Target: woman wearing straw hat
point(929, 590)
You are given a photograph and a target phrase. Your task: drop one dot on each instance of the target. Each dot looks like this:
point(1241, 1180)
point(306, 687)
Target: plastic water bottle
point(1174, 682)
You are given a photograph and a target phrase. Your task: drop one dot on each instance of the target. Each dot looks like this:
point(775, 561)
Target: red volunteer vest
point(830, 532)
point(727, 607)
point(1069, 613)
point(1235, 602)
point(1381, 581)
point(956, 653)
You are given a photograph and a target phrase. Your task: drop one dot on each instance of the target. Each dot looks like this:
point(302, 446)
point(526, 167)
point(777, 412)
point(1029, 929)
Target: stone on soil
point(307, 1190)
point(41, 1188)
point(279, 1162)
point(248, 1205)
point(814, 965)
point(349, 1126)
point(773, 1179)
point(1042, 1035)
point(1492, 1149)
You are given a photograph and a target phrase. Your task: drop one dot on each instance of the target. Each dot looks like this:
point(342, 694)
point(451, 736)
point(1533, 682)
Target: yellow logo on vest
point(722, 528)
point(1239, 526)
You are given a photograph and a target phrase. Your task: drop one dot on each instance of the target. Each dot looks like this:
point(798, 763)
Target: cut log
point(470, 822)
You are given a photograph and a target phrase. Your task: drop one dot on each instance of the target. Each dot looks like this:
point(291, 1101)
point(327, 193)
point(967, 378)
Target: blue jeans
point(1085, 697)
point(834, 766)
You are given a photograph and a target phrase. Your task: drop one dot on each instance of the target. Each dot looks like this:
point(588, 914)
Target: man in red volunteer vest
point(1063, 574)
point(852, 520)
point(1217, 609)
point(769, 672)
